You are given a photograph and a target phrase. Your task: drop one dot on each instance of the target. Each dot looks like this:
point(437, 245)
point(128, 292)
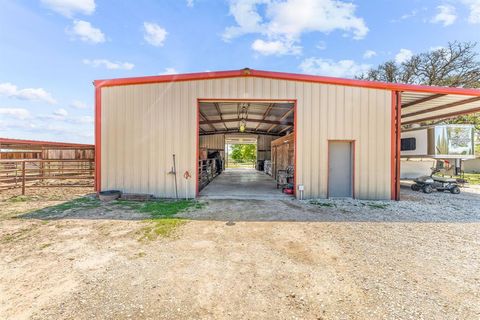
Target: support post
point(396, 136)
point(399, 134)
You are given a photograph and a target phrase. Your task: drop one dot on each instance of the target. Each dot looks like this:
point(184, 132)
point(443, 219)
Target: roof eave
point(284, 76)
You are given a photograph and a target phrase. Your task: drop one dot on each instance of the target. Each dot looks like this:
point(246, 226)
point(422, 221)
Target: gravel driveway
point(417, 259)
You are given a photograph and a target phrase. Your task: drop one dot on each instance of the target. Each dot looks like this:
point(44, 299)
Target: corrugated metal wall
point(264, 147)
point(213, 141)
point(143, 125)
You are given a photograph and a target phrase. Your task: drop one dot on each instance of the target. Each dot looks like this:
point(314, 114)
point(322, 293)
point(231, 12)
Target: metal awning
point(418, 107)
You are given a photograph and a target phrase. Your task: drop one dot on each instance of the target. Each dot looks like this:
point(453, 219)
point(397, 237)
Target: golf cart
point(430, 183)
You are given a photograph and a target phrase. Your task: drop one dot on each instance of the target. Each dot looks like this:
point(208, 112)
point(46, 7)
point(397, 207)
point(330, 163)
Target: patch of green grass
point(161, 223)
point(79, 203)
point(82, 203)
point(126, 204)
point(378, 205)
point(472, 178)
point(159, 209)
point(21, 199)
point(167, 208)
point(159, 228)
point(322, 204)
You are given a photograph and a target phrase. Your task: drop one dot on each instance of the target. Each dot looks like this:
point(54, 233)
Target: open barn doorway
point(246, 149)
point(240, 151)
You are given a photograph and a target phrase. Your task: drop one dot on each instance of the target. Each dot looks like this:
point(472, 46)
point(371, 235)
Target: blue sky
point(52, 50)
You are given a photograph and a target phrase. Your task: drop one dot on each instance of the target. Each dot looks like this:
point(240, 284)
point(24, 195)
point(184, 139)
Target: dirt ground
point(244, 260)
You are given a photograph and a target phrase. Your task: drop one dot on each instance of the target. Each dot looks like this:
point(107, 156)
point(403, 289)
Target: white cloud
point(154, 34)
point(61, 116)
point(291, 18)
point(77, 104)
point(369, 54)
point(327, 67)
point(8, 89)
point(247, 18)
point(16, 113)
point(60, 112)
point(275, 47)
point(474, 7)
point(33, 94)
point(286, 21)
point(446, 15)
point(408, 15)
point(55, 126)
point(69, 7)
point(84, 119)
point(403, 55)
point(169, 70)
point(190, 3)
point(109, 64)
point(86, 32)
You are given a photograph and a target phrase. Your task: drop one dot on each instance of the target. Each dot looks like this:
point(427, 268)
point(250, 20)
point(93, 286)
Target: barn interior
point(267, 126)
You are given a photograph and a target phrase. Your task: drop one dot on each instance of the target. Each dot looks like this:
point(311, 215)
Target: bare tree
point(456, 65)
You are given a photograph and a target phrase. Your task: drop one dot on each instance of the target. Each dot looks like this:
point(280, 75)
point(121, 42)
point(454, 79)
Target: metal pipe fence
point(27, 173)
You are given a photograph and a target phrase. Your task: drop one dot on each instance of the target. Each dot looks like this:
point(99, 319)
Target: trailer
point(450, 141)
point(423, 148)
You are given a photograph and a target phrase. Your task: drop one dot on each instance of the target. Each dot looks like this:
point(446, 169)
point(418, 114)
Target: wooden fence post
point(23, 178)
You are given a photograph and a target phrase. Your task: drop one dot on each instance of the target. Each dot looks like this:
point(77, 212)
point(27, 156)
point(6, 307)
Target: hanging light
point(242, 126)
point(243, 114)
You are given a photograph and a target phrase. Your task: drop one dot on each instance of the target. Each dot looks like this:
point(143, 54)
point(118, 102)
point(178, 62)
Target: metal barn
point(346, 133)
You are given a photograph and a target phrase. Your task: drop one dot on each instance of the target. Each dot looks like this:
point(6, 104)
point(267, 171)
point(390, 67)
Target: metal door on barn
point(340, 169)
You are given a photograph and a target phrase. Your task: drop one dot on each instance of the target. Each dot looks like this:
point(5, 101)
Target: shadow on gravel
point(414, 207)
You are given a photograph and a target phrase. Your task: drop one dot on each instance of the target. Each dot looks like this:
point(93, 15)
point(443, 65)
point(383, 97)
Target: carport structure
point(420, 104)
point(147, 119)
point(427, 106)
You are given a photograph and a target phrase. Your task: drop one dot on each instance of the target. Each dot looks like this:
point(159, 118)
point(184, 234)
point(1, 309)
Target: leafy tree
point(244, 152)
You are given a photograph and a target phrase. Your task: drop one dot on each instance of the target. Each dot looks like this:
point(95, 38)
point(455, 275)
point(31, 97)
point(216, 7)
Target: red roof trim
point(46, 143)
point(284, 76)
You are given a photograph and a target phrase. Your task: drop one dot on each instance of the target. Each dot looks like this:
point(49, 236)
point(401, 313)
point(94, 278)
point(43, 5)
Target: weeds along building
point(344, 134)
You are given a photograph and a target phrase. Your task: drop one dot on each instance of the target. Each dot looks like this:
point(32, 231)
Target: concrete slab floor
point(243, 184)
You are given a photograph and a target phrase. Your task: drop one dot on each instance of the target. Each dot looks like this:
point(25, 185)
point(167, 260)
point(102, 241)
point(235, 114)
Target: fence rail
point(27, 173)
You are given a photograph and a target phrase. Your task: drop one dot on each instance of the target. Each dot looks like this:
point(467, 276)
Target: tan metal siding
point(143, 125)
point(264, 143)
point(213, 141)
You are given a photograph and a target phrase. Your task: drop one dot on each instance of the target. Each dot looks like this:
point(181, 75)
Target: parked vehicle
point(430, 183)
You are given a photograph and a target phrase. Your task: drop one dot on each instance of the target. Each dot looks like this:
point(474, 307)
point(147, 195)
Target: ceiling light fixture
point(243, 115)
point(243, 125)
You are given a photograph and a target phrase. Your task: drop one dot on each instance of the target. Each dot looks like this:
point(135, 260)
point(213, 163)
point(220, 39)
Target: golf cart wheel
point(415, 187)
point(428, 189)
point(455, 190)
